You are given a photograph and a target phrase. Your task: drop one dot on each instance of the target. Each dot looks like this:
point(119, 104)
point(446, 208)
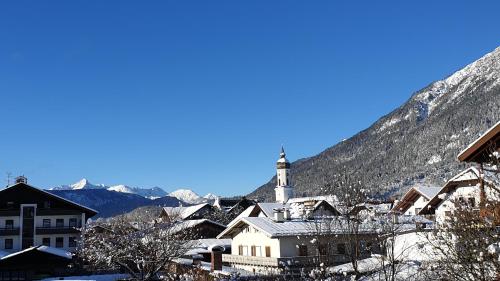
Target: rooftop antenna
point(9, 175)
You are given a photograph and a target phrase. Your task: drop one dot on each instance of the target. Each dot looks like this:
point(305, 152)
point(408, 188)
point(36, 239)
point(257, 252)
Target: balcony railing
point(307, 261)
point(57, 230)
point(7, 231)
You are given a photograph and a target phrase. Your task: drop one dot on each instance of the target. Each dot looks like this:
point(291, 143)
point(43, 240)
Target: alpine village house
point(290, 235)
point(38, 231)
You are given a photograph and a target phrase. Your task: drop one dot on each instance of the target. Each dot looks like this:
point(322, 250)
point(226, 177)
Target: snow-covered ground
point(104, 277)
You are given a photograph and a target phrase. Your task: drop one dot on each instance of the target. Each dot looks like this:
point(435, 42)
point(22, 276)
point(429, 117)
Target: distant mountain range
point(416, 143)
point(120, 199)
point(151, 193)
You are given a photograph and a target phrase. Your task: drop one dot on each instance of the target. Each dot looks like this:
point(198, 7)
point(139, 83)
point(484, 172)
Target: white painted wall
point(53, 218)
point(419, 204)
point(39, 238)
point(448, 204)
point(252, 237)
point(16, 246)
point(3, 219)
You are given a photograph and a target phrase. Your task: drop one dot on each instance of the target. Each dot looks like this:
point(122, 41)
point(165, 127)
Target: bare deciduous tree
point(136, 244)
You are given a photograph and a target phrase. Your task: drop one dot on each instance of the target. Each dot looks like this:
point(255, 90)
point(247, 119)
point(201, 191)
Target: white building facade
point(32, 217)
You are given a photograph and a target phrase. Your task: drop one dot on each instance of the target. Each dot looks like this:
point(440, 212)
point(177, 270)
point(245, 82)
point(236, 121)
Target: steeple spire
point(284, 189)
point(282, 153)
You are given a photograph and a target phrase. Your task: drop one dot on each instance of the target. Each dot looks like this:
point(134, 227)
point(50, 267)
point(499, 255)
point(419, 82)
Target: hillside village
point(447, 232)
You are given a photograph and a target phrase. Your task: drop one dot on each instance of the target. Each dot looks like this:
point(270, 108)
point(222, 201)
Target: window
point(240, 250)
point(46, 223)
point(46, 204)
point(323, 249)
point(46, 241)
point(9, 224)
point(252, 249)
point(72, 222)
point(59, 242)
point(447, 213)
point(302, 250)
point(59, 222)
point(9, 244)
point(471, 201)
point(268, 251)
point(72, 242)
point(341, 249)
point(245, 250)
point(362, 246)
point(258, 251)
point(10, 205)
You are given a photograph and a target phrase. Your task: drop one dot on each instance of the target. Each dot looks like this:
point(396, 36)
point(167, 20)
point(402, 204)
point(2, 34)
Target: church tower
point(284, 189)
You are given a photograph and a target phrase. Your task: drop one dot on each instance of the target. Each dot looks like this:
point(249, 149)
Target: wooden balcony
point(9, 212)
point(9, 231)
point(307, 261)
point(57, 230)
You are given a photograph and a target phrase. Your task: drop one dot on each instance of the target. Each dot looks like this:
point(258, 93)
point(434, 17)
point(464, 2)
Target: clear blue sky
point(201, 94)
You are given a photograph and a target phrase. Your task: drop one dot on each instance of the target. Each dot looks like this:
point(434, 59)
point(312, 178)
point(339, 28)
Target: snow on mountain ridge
point(482, 71)
point(187, 196)
point(85, 184)
point(150, 193)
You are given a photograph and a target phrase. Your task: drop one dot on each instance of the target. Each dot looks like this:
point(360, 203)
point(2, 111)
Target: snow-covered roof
point(470, 173)
point(268, 208)
point(428, 191)
point(45, 249)
point(55, 251)
point(413, 194)
point(90, 210)
point(184, 212)
point(3, 254)
point(204, 246)
point(274, 229)
point(479, 142)
point(329, 198)
point(246, 213)
point(467, 176)
point(187, 224)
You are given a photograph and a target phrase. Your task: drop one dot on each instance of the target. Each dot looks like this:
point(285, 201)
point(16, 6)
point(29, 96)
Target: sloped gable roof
point(184, 212)
point(89, 211)
point(476, 148)
point(413, 194)
point(467, 176)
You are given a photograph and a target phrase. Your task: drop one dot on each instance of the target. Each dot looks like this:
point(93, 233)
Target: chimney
point(395, 218)
point(21, 179)
point(287, 215)
point(216, 260)
point(278, 215)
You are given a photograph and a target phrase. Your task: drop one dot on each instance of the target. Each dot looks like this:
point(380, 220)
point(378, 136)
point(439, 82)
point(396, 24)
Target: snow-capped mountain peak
point(150, 193)
point(81, 184)
point(187, 196)
point(85, 184)
point(210, 196)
